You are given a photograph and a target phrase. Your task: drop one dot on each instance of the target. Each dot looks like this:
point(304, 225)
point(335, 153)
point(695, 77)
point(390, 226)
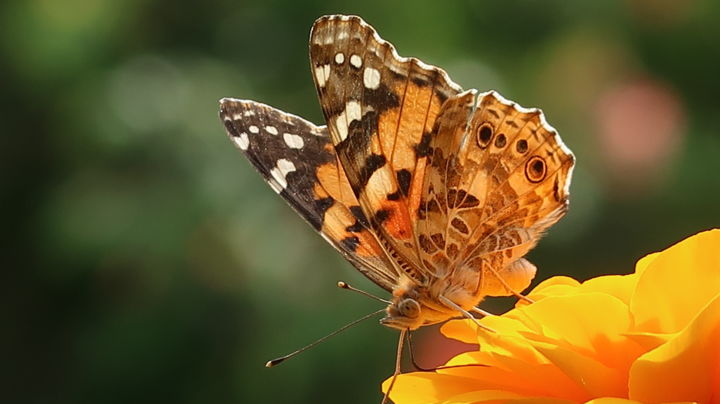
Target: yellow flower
point(649, 337)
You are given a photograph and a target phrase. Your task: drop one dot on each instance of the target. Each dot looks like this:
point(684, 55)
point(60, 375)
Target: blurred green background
point(145, 260)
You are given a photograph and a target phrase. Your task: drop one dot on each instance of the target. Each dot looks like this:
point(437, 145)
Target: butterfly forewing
point(299, 162)
point(380, 110)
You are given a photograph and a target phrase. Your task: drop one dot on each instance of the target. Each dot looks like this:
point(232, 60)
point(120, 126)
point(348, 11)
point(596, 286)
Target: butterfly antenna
point(398, 361)
point(345, 285)
point(282, 359)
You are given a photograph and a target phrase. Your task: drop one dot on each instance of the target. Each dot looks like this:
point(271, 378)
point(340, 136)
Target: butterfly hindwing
point(380, 110)
point(492, 189)
point(298, 161)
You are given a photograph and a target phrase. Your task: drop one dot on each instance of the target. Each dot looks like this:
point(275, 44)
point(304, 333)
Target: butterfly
point(433, 192)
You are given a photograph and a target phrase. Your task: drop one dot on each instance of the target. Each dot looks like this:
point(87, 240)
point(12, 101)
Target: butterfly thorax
point(414, 306)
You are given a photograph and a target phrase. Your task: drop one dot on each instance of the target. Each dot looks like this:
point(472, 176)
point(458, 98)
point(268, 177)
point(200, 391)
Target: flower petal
point(555, 286)
point(620, 286)
point(504, 397)
point(531, 379)
point(677, 283)
point(592, 324)
point(649, 341)
point(460, 330)
point(612, 400)
point(589, 374)
point(428, 387)
point(685, 368)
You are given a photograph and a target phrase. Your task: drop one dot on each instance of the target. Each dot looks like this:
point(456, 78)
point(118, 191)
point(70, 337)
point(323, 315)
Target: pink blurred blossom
point(640, 128)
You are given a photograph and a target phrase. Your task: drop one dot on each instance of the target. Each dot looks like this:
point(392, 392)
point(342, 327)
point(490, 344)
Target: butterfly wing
point(380, 109)
point(298, 161)
point(492, 188)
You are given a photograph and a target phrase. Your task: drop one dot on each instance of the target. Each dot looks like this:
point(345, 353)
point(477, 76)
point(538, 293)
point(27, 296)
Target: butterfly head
point(411, 309)
point(404, 314)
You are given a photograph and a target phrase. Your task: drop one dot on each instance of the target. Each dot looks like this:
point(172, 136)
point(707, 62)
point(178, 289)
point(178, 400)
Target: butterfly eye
point(535, 169)
point(409, 308)
point(484, 135)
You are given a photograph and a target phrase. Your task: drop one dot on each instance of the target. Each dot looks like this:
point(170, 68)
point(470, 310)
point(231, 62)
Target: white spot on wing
point(339, 58)
point(275, 186)
point(254, 129)
point(356, 61)
point(371, 78)
point(293, 141)
point(322, 73)
point(271, 130)
point(342, 126)
point(249, 113)
point(242, 141)
point(353, 112)
point(280, 172)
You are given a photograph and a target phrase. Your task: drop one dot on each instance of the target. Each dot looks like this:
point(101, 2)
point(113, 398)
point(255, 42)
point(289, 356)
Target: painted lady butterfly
point(432, 192)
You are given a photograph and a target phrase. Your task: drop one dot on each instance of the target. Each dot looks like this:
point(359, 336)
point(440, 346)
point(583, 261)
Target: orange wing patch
point(341, 223)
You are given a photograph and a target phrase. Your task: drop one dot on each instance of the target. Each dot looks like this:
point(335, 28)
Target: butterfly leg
point(481, 312)
point(464, 312)
point(398, 359)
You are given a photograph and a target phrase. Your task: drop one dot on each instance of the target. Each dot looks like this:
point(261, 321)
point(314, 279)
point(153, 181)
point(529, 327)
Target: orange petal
point(677, 283)
point(645, 262)
point(428, 387)
point(612, 400)
point(685, 368)
point(649, 341)
point(527, 379)
point(555, 286)
point(461, 330)
point(592, 324)
point(509, 339)
point(515, 364)
point(588, 373)
point(583, 337)
point(495, 396)
point(620, 286)
point(570, 346)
